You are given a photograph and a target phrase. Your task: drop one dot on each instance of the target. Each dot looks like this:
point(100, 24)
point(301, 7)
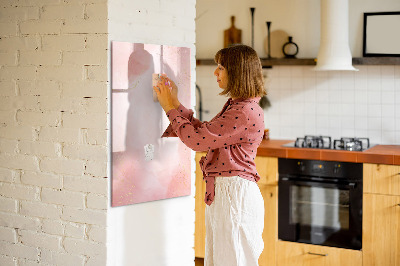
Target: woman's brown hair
point(245, 78)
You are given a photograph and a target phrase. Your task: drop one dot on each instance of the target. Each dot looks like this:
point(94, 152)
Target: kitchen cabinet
point(200, 207)
point(270, 233)
point(381, 179)
point(381, 215)
point(298, 254)
point(267, 168)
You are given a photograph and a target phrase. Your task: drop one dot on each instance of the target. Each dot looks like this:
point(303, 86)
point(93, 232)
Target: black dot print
point(241, 138)
point(183, 126)
point(222, 125)
point(204, 137)
point(188, 137)
point(198, 143)
point(234, 127)
point(236, 117)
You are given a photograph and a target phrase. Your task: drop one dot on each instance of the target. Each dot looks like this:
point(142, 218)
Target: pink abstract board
point(146, 167)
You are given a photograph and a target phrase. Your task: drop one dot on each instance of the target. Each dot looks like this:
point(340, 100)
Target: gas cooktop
point(325, 142)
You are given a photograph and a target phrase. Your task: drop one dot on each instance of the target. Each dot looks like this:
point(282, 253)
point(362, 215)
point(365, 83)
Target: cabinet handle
point(318, 254)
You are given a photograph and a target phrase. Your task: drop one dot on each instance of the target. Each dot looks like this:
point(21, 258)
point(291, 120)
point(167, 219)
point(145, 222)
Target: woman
point(235, 207)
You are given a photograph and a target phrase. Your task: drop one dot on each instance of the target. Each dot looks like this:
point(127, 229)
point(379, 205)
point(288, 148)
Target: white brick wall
point(164, 233)
point(53, 121)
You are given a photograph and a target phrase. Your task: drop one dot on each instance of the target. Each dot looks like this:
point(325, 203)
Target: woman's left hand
point(163, 92)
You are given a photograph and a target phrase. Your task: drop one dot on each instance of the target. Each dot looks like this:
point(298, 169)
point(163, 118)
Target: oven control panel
point(331, 169)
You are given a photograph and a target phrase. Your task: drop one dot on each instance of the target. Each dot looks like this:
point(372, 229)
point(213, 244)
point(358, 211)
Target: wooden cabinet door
point(200, 207)
point(381, 230)
point(298, 254)
point(267, 168)
point(381, 179)
point(270, 233)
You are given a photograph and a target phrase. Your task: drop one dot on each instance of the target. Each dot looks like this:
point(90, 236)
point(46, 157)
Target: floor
point(199, 262)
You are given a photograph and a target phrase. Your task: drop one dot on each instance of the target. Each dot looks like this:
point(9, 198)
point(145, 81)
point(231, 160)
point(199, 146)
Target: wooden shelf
point(312, 61)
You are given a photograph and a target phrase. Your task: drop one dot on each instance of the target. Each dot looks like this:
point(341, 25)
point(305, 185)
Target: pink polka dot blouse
point(231, 139)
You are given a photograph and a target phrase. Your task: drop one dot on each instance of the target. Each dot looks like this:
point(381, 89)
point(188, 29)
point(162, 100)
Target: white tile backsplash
point(364, 103)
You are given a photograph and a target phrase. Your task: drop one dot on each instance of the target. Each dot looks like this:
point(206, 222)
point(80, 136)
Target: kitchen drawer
point(298, 254)
point(381, 179)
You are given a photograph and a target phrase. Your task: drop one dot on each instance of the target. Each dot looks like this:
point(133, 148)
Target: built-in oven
point(320, 202)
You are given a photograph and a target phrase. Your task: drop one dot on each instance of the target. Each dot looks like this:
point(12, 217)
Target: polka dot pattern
point(231, 139)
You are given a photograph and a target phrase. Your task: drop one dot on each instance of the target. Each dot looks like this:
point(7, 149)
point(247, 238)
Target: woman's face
point(222, 76)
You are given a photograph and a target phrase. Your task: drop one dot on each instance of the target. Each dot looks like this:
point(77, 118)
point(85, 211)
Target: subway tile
point(397, 72)
point(374, 97)
point(347, 109)
point(348, 132)
point(374, 123)
point(361, 110)
point(361, 97)
point(388, 84)
point(322, 109)
point(388, 97)
point(297, 83)
point(335, 122)
point(388, 110)
point(348, 122)
point(374, 110)
point(296, 71)
point(322, 95)
point(387, 72)
point(375, 136)
point(360, 124)
point(322, 121)
point(374, 84)
point(388, 124)
point(348, 96)
point(335, 95)
point(388, 137)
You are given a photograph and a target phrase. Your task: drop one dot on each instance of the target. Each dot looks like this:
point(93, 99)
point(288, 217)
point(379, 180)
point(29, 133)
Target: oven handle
point(297, 181)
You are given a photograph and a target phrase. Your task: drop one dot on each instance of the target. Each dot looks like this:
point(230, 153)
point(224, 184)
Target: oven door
point(315, 211)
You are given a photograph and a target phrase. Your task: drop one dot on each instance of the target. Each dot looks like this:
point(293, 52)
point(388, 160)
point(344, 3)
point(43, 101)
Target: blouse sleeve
point(188, 114)
point(223, 131)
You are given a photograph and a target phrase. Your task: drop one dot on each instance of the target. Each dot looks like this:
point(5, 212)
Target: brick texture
point(53, 122)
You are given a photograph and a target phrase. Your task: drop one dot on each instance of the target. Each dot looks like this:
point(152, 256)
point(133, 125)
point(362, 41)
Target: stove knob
point(336, 169)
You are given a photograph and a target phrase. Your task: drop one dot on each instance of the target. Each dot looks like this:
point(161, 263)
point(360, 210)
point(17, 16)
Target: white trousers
point(234, 223)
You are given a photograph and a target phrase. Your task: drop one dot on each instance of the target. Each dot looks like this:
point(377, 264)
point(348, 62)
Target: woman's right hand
point(174, 90)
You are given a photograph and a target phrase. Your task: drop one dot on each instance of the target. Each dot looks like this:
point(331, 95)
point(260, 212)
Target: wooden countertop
point(379, 154)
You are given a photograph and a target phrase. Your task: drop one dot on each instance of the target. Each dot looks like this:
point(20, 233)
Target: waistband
point(229, 179)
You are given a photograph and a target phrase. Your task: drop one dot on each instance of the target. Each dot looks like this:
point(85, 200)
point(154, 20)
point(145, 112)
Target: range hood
point(334, 51)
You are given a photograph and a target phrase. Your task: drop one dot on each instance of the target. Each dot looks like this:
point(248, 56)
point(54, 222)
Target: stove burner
point(351, 144)
point(322, 142)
